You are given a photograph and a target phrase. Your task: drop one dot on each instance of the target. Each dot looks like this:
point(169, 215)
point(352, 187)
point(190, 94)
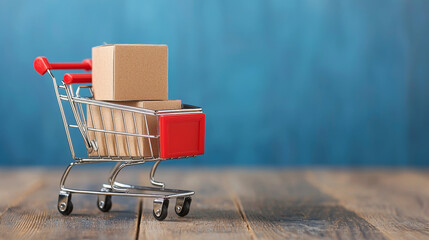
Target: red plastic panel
point(181, 135)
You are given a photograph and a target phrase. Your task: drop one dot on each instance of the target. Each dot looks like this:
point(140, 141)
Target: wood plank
point(16, 184)
point(396, 202)
point(283, 205)
point(36, 217)
point(238, 204)
point(213, 212)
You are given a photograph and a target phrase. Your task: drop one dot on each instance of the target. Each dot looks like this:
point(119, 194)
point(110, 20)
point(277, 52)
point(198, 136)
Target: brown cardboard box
point(116, 145)
point(123, 72)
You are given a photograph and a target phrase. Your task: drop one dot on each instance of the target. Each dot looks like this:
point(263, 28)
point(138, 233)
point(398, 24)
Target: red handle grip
point(77, 78)
point(41, 64)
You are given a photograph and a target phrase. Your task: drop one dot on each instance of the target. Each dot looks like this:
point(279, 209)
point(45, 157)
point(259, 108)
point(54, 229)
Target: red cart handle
point(41, 65)
point(77, 78)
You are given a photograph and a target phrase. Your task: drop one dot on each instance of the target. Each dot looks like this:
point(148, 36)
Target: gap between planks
point(240, 210)
point(139, 217)
point(387, 190)
point(208, 220)
point(45, 215)
point(310, 180)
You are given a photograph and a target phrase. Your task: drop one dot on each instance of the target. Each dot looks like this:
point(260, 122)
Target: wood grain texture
point(229, 204)
point(283, 205)
point(36, 217)
point(17, 184)
point(213, 212)
point(395, 202)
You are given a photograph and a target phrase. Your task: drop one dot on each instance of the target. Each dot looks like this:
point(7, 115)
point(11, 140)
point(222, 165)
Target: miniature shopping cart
point(177, 134)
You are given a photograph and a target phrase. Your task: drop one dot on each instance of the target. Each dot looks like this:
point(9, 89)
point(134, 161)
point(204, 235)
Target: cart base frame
point(160, 194)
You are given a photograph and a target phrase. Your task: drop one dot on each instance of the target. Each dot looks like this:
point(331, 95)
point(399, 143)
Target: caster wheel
point(65, 206)
point(183, 205)
point(160, 209)
point(104, 202)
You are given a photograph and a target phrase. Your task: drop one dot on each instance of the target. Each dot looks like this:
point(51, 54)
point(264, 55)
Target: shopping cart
point(177, 134)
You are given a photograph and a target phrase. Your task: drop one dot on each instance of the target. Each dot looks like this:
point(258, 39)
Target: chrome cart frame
point(99, 133)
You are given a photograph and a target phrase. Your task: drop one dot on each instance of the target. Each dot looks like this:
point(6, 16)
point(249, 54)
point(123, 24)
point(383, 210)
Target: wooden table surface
point(229, 204)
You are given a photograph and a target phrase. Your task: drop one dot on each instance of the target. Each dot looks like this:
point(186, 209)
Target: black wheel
point(65, 206)
point(104, 202)
point(184, 210)
point(161, 213)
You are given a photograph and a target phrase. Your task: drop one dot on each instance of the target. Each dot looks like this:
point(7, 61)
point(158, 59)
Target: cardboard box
point(123, 72)
point(110, 144)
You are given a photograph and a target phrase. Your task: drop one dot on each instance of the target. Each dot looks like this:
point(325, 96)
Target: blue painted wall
point(282, 82)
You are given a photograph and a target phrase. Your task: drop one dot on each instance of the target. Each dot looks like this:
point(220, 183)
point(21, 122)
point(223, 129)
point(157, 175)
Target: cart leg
point(115, 171)
point(104, 202)
point(65, 206)
point(65, 174)
point(152, 175)
point(183, 205)
point(160, 208)
point(115, 168)
point(120, 187)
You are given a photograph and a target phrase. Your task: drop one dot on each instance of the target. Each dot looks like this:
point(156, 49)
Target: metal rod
point(128, 194)
point(69, 93)
point(141, 151)
point(192, 109)
point(63, 116)
point(95, 134)
point(105, 137)
point(116, 136)
point(116, 132)
point(152, 176)
point(126, 137)
point(149, 140)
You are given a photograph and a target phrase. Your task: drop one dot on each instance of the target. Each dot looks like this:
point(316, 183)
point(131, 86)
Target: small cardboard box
point(110, 144)
point(124, 72)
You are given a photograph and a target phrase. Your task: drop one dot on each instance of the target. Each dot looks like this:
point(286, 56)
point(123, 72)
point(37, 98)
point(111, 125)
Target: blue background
point(300, 82)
